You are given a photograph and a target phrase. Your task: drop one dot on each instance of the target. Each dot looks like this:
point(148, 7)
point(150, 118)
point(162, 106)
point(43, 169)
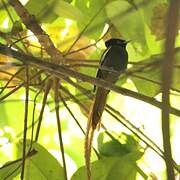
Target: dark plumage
point(114, 60)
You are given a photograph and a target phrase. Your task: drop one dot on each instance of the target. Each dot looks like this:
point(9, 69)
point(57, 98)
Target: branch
point(25, 124)
point(59, 70)
point(167, 71)
point(56, 100)
point(32, 24)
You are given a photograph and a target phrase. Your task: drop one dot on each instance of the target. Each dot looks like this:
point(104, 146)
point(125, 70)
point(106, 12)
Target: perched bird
point(113, 61)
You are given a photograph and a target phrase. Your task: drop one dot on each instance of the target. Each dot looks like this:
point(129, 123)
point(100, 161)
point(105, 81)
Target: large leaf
point(148, 80)
point(124, 168)
point(12, 110)
point(145, 80)
point(10, 170)
point(155, 15)
point(89, 10)
point(42, 165)
point(66, 10)
point(49, 10)
point(129, 22)
point(117, 145)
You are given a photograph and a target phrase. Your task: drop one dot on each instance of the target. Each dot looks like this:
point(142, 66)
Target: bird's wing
point(100, 73)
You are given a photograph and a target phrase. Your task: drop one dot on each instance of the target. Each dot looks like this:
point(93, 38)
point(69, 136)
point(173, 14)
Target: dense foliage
point(56, 96)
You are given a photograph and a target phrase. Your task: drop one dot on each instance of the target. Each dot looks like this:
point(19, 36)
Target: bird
point(113, 62)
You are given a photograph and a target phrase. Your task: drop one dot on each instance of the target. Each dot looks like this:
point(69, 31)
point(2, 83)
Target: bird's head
point(116, 42)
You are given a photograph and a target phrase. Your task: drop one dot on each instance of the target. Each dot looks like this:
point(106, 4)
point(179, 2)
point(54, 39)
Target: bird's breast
point(116, 58)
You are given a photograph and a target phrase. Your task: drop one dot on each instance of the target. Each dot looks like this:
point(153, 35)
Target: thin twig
point(47, 89)
point(153, 81)
point(33, 119)
point(32, 24)
point(56, 100)
point(77, 101)
point(89, 95)
point(25, 123)
point(12, 20)
point(82, 106)
point(120, 118)
point(119, 15)
point(18, 87)
point(85, 28)
point(90, 45)
point(12, 77)
point(71, 113)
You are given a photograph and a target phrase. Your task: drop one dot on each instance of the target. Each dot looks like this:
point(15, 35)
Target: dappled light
point(89, 89)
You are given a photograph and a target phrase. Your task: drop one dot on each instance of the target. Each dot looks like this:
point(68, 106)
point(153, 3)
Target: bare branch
point(167, 71)
point(32, 24)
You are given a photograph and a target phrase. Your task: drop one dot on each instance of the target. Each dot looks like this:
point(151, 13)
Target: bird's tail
point(88, 145)
point(98, 107)
point(94, 121)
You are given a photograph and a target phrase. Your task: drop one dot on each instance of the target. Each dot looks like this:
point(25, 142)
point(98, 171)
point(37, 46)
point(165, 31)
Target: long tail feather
point(98, 106)
point(94, 120)
point(88, 148)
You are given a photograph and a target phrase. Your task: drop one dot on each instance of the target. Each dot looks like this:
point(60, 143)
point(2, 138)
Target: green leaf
point(148, 10)
point(145, 81)
point(41, 11)
point(12, 110)
point(5, 21)
point(89, 11)
point(148, 81)
point(129, 22)
point(42, 165)
point(2, 17)
point(112, 168)
point(64, 9)
point(117, 145)
point(49, 10)
point(17, 27)
point(10, 170)
point(34, 7)
point(155, 14)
